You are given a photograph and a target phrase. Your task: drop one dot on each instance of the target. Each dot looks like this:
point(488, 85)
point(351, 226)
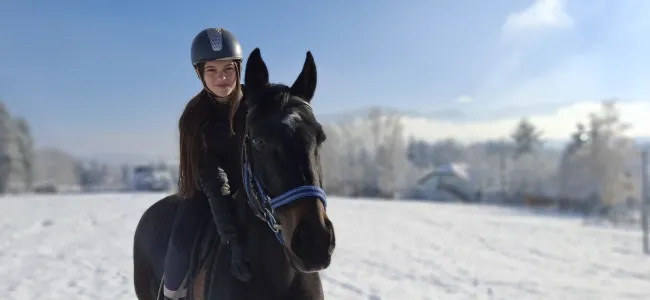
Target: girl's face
point(220, 77)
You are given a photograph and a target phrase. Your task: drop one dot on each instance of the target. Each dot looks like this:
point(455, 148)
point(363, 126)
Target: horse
point(289, 237)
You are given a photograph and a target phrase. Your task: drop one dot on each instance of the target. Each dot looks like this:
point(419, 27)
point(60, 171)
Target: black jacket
point(220, 169)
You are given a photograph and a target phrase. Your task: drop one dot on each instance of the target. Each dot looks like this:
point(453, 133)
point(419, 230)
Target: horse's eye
point(258, 142)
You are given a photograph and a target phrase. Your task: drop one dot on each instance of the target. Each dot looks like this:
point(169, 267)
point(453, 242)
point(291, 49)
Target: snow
point(79, 247)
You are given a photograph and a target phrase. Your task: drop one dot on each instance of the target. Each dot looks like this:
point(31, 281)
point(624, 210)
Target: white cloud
point(573, 79)
point(541, 14)
point(464, 99)
point(514, 81)
point(556, 125)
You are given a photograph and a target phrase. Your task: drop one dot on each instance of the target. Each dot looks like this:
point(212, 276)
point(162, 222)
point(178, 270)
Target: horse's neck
point(269, 260)
point(267, 255)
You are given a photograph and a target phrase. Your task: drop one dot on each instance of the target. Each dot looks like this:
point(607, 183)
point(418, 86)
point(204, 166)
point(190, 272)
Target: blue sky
point(113, 76)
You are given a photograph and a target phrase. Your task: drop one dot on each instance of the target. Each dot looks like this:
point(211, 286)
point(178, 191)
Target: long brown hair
point(196, 115)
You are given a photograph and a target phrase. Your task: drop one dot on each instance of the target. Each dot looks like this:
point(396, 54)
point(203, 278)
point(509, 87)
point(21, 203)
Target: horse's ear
point(305, 85)
point(257, 74)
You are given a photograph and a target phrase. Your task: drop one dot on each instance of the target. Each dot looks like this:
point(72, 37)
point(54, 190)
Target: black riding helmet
point(212, 44)
point(215, 43)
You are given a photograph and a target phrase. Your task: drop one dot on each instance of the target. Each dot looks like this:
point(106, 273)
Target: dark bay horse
point(281, 209)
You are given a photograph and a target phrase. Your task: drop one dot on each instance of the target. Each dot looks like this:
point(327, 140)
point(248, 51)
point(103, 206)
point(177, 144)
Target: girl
point(208, 156)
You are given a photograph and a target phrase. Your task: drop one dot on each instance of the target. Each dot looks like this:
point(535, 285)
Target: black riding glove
point(239, 262)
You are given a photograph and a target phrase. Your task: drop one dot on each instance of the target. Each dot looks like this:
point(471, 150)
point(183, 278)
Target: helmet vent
point(216, 39)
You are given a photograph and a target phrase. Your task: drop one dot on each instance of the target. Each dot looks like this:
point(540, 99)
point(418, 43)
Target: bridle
point(260, 202)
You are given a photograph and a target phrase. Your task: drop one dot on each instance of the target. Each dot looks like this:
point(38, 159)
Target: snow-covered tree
point(5, 147)
point(570, 165)
point(25, 144)
point(391, 160)
point(527, 168)
point(599, 170)
point(12, 167)
point(446, 151)
point(125, 175)
point(366, 156)
point(526, 137)
point(92, 175)
point(419, 153)
point(339, 160)
point(532, 174)
point(426, 155)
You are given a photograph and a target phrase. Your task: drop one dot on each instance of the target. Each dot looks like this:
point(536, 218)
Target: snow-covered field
point(79, 247)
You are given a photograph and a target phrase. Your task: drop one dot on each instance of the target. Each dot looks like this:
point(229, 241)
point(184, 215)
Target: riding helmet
point(215, 43)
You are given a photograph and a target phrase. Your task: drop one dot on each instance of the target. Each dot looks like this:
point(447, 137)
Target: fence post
point(644, 200)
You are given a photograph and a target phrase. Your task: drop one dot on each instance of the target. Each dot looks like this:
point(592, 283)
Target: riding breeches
point(190, 214)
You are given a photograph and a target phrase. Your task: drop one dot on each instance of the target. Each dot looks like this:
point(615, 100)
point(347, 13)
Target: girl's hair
point(195, 117)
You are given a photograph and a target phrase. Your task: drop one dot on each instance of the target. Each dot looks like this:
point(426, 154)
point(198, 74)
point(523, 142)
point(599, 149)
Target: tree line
point(599, 163)
point(373, 157)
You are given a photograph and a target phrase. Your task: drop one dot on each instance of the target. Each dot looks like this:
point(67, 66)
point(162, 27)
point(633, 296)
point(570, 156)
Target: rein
point(261, 203)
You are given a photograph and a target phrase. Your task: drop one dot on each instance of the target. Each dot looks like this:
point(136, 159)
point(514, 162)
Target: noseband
point(261, 203)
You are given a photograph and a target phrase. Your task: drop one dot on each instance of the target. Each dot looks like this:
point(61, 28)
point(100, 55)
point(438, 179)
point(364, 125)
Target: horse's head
point(283, 174)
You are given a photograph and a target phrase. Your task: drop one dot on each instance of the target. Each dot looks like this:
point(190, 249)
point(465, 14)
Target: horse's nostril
point(331, 237)
point(307, 239)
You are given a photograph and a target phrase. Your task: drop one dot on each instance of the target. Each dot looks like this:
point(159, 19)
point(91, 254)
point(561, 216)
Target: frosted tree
point(93, 175)
point(25, 145)
point(366, 156)
point(571, 166)
point(387, 166)
point(331, 160)
point(391, 159)
point(526, 138)
point(425, 155)
point(342, 159)
point(419, 153)
point(125, 175)
point(377, 123)
point(491, 162)
point(608, 153)
point(526, 174)
point(447, 151)
point(599, 170)
point(7, 147)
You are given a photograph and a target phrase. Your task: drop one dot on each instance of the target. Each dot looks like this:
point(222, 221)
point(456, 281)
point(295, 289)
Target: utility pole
point(644, 200)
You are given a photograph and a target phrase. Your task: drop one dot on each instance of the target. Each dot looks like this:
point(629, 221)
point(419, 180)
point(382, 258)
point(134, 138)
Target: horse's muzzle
point(313, 244)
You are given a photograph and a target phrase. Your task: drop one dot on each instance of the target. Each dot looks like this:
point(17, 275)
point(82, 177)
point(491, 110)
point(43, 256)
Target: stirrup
point(181, 294)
